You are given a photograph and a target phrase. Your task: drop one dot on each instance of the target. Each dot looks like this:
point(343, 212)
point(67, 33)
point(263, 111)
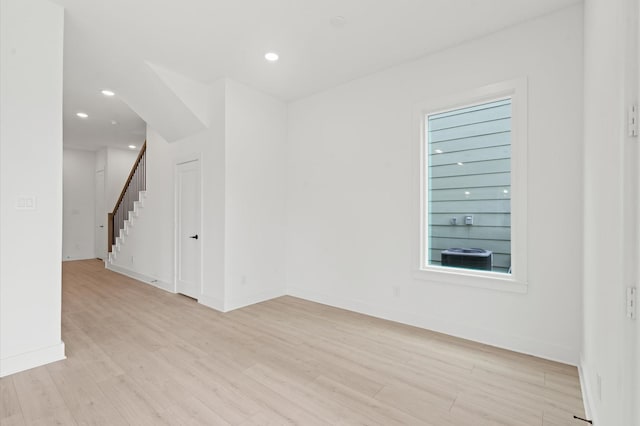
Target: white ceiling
point(209, 39)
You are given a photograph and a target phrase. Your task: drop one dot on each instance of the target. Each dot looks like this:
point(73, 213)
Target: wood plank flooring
point(140, 356)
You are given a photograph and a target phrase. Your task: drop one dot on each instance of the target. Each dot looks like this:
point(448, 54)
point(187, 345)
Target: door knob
point(195, 237)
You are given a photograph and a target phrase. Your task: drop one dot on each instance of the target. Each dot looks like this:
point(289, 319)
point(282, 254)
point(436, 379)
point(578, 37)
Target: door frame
point(179, 161)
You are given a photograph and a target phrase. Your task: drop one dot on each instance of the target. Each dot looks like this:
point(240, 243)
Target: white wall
point(31, 41)
point(116, 165)
point(350, 217)
point(117, 168)
point(151, 242)
point(255, 203)
point(611, 211)
point(242, 236)
point(78, 205)
point(101, 159)
point(149, 247)
point(212, 147)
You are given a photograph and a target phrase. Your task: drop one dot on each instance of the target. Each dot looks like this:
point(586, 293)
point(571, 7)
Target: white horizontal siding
point(471, 206)
point(471, 142)
point(465, 131)
point(502, 233)
point(498, 219)
point(469, 117)
point(486, 193)
point(472, 168)
point(478, 181)
point(471, 154)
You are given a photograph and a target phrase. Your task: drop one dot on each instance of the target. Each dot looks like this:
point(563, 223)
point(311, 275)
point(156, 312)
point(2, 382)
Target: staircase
point(129, 204)
point(127, 224)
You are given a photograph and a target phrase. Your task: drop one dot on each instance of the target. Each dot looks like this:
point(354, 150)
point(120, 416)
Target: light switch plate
point(27, 202)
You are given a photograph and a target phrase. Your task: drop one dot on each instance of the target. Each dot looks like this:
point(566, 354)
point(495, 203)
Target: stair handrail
point(140, 163)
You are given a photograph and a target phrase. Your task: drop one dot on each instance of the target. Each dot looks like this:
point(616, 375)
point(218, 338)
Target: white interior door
point(188, 238)
point(100, 218)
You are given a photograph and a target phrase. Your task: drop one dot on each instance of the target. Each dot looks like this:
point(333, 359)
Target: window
point(473, 188)
point(468, 156)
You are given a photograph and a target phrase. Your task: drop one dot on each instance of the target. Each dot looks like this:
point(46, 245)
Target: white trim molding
point(141, 277)
point(587, 392)
point(17, 363)
point(253, 299)
point(230, 305)
point(212, 302)
point(512, 342)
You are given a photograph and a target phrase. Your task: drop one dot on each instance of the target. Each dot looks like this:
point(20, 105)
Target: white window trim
point(517, 281)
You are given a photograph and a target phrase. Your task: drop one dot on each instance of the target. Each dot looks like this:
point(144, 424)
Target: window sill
point(471, 278)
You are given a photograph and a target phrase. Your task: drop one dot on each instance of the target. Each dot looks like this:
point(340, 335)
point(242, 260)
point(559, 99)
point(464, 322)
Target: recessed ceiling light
point(82, 114)
point(132, 147)
point(114, 122)
point(271, 56)
point(108, 93)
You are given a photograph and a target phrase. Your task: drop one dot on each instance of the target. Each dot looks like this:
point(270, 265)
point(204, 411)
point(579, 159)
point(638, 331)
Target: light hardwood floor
point(140, 356)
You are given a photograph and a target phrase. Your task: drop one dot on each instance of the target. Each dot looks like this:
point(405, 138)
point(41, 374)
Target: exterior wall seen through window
point(468, 187)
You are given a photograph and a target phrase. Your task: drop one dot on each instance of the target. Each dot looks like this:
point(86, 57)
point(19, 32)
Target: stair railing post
point(110, 232)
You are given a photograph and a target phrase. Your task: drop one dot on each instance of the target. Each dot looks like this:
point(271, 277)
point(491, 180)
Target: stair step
point(128, 225)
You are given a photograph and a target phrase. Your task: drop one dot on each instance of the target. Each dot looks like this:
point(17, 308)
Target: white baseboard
point(253, 299)
point(519, 344)
point(26, 361)
point(541, 349)
point(141, 277)
point(72, 258)
point(587, 392)
point(212, 302)
point(221, 306)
